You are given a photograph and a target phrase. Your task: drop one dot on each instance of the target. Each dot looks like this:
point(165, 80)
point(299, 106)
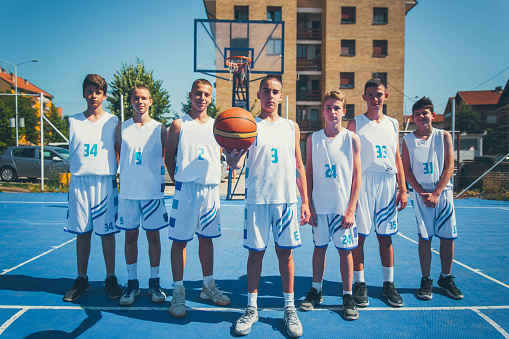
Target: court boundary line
point(475, 270)
point(492, 323)
point(12, 319)
point(36, 257)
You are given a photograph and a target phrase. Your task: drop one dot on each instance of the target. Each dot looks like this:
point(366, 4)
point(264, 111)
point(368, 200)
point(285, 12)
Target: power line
point(491, 78)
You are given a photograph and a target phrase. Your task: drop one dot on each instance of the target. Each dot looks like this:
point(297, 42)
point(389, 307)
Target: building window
point(302, 51)
point(241, 13)
point(491, 119)
point(347, 47)
point(350, 112)
point(347, 15)
point(346, 79)
point(379, 48)
point(380, 15)
point(382, 76)
point(274, 47)
point(274, 14)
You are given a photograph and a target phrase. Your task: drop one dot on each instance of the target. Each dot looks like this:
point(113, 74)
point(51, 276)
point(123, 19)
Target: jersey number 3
point(90, 150)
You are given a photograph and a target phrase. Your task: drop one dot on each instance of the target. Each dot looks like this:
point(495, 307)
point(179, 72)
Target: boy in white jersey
point(428, 161)
point(140, 142)
point(379, 198)
point(333, 173)
point(93, 194)
point(273, 165)
point(193, 162)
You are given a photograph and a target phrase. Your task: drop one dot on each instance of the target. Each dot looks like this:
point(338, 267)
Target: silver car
point(25, 161)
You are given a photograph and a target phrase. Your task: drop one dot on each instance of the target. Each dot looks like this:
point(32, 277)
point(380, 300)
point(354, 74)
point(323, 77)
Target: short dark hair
point(270, 77)
point(200, 81)
point(423, 103)
point(140, 87)
point(374, 82)
point(95, 80)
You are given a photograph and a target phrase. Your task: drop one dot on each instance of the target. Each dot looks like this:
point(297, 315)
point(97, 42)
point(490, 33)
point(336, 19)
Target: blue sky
point(450, 45)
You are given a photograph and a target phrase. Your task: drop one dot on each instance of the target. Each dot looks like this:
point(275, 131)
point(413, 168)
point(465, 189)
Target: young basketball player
point(93, 190)
point(428, 161)
point(271, 202)
point(379, 198)
point(193, 162)
point(141, 142)
point(333, 173)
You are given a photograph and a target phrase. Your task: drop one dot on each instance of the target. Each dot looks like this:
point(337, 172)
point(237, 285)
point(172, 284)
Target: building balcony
point(309, 64)
point(308, 95)
point(309, 34)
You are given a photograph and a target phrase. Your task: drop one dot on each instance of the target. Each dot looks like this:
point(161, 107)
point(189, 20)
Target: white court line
point(492, 323)
point(461, 264)
point(34, 202)
point(12, 319)
point(40, 255)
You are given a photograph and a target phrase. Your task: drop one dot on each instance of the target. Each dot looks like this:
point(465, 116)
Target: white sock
point(388, 273)
point(178, 283)
point(207, 280)
point(289, 300)
point(317, 286)
point(359, 276)
point(444, 275)
point(347, 292)
point(84, 276)
point(252, 299)
point(132, 271)
point(154, 272)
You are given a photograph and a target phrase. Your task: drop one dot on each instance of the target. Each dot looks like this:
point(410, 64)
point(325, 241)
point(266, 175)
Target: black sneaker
point(392, 295)
point(79, 286)
point(312, 299)
point(425, 292)
point(360, 294)
point(349, 310)
point(448, 284)
point(112, 287)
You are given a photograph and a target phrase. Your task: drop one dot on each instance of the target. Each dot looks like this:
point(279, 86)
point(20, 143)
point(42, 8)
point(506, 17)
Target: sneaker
point(349, 310)
point(425, 292)
point(213, 293)
point(79, 286)
point(312, 299)
point(155, 290)
point(360, 294)
point(448, 284)
point(112, 287)
point(250, 317)
point(392, 295)
point(292, 323)
point(131, 291)
point(178, 302)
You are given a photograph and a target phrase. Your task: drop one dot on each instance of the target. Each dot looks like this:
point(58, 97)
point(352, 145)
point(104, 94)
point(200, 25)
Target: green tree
point(131, 75)
point(26, 111)
point(212, 110)
point(468, 120)
point(495, 142)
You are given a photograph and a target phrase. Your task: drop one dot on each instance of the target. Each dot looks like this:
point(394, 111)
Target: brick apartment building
point(328, 45)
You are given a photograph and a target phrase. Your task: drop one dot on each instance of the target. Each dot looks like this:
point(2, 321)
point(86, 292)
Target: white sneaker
point(131, 291)
point(155, 290)
point(178, 302)
point(292, 322)
point(250, 317)
point(214, 294)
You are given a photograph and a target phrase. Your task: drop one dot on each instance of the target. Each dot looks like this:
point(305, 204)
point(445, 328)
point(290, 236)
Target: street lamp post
point(16, 89)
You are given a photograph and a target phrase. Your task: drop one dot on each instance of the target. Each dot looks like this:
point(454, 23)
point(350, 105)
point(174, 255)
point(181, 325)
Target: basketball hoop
point(239, 65)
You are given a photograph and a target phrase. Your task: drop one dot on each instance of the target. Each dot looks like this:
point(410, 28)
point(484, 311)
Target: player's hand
point(402, 200)
point(430, 199)
point(305, 214)
point(234, 156)
point(312, 219)
point(347, 220)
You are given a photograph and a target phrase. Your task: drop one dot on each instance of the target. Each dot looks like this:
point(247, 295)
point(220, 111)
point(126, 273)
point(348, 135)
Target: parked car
point(25, 161)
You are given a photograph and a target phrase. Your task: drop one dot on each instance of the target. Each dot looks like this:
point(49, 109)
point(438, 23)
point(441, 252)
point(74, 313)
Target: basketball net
point(238, 65)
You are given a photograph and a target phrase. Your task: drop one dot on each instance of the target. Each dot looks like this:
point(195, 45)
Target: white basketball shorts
point(150, 214)
point(329, 227)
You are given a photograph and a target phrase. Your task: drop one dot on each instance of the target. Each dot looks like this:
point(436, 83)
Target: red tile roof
point(23, 85)
point(474, 98)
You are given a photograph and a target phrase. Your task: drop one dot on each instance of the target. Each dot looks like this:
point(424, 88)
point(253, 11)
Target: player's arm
point(301, 180)
point(118, 140)
point(448, 170)
point(407, 167)
point(351, 126)
point(402, 197)
point(349, 217)
point(235, 158)
point(164, 134)
point(309, 179)
point(170, 150)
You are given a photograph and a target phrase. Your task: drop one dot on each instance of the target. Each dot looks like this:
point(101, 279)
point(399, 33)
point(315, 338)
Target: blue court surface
point(38, 265)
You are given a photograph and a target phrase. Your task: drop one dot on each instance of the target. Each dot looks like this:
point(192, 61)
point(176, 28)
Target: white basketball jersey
point(427, 158)
point(92, 145)
point(141, 161)
point(270, 164)
point(379, 142)
point(198, 154)
point(332, 171)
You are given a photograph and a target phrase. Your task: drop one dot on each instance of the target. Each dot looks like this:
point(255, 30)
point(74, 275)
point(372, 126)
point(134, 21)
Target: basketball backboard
point(216, 40)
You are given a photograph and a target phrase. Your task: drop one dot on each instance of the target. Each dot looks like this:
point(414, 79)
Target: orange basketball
point(235, 128)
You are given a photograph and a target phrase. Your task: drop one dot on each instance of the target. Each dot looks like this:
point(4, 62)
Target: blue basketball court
point(38, 265)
